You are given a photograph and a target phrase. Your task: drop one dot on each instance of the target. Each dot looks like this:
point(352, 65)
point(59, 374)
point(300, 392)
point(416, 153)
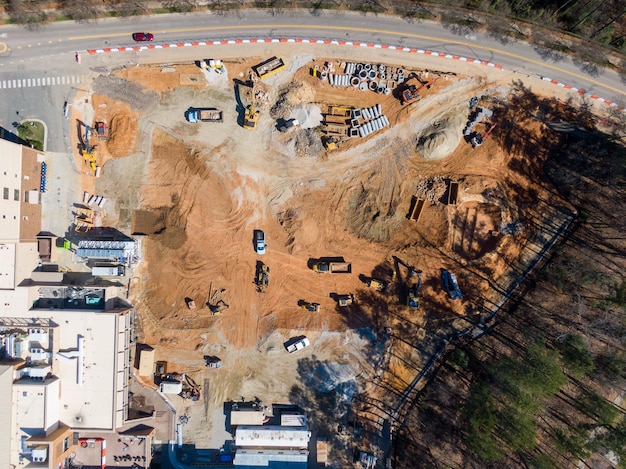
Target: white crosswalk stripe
point(42, 81)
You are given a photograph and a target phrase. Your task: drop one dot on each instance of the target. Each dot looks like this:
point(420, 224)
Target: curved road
point(26, 49)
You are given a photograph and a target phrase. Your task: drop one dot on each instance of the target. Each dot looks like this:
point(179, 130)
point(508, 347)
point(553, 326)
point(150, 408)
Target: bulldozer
point(312, 307)
point(330, 143)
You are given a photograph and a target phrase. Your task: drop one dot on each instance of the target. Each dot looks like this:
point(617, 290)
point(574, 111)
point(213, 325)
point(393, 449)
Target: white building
point(64, 348)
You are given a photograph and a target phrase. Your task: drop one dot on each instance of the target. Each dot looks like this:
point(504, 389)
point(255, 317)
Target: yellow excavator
point(250, 117)
point(88, 151)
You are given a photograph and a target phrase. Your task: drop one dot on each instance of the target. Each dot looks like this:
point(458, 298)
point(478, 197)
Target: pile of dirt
point(123, 135)
point(442, 136)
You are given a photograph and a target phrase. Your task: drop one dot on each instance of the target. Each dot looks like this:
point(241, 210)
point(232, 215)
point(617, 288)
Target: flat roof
point(272, 436)
point(10, 181)
point(247, 417)
point(7, 265)
point(88, 390)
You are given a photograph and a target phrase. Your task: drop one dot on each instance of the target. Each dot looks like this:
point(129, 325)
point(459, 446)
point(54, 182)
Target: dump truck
point(332, 267)
point(269, 67)
point(299, 345)
point(194, 115)
point(262, 277)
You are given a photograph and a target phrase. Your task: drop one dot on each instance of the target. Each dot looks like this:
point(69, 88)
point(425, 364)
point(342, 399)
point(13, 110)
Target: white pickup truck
point(299, 345)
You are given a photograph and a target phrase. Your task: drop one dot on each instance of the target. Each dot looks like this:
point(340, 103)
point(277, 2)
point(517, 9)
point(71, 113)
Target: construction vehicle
point(411, 93)
point(330, 143)
point(299, 344)
point(87, 151)
point(212, 361)
point(479, 139)
point(284, 125)
point(345, 300)
point(414, 282)
point(218, 307)
point(194, 115)
point(332, 267)
point(268, 67)
point(451, 285)
point(250, 117)
point(376, 284)
point(102, 130)
point(262, 279)
point(313, 307)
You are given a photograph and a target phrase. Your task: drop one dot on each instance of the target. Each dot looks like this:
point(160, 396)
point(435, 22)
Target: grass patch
point(32, 132)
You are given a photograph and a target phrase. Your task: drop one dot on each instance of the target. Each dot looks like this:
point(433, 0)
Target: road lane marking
point(39, 82)
point(372, 31)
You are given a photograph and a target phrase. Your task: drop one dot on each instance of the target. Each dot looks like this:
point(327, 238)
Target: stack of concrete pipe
point(366, 76)
point(373, 125)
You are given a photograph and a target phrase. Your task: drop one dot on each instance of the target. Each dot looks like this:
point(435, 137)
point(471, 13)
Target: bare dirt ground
point(205, 187)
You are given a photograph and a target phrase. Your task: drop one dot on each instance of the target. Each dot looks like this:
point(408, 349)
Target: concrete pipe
point(359, 67)
point(382, 76)
point(400, 71)
point(363, 74)
point(366, 114)
point(379, 109)
point(362, 131)
point(381, 89)
point(387, 91)
point(381, 68)
point(355, 81)
point(371, 74)
point(363, 86)
point(331, 79)
point(368, 66)
point(324, 75)
point(373, 85)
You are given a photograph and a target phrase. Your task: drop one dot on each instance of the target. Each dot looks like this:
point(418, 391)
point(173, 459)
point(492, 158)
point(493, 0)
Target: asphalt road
point(49, 52)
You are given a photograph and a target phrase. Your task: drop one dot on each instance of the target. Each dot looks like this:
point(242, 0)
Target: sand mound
point(440, 139)
point(122, 135)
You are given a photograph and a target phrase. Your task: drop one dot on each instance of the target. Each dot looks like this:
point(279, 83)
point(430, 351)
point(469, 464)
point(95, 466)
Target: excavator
point(479, 139)
point(88, 151)
point(250, 117)
point(411, 93)
point(413, 281)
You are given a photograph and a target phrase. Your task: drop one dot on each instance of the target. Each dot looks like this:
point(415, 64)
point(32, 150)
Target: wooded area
point(544, 388)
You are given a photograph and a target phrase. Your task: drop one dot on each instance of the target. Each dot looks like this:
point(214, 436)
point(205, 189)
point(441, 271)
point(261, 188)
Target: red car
point(143, 37)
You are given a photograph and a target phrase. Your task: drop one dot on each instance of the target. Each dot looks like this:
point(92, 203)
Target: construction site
point(397, 216)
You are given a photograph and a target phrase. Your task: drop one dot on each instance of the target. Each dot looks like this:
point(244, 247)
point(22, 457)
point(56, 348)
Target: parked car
point(143, 37)
point(259, 242)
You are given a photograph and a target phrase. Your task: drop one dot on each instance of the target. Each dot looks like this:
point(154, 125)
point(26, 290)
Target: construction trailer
point(268, 67)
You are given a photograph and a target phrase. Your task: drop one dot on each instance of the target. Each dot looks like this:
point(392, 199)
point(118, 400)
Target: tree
point(576, 356)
